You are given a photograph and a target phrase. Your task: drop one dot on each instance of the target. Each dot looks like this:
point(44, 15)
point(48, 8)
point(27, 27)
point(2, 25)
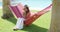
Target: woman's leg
point(20, 23)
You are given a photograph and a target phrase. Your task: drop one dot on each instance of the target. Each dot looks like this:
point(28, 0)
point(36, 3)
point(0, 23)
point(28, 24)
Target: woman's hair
point(27, 9)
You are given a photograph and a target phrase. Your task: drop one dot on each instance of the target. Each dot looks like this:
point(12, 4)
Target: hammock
point(18, 11)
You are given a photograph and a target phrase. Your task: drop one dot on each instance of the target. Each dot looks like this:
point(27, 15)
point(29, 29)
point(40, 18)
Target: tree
point(55, 19)
point(6, 11)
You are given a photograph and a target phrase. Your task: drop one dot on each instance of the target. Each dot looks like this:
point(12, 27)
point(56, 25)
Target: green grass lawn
point(40, 25)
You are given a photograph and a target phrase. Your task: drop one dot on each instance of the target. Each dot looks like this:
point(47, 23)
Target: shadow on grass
point(12, 19)
point(31, 28)
point(34, 28)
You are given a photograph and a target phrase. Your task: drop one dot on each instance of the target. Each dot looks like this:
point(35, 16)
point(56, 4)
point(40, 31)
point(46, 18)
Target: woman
point(26, 11)
point(20, 21)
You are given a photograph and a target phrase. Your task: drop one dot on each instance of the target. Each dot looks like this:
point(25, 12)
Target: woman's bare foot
point(15, 29)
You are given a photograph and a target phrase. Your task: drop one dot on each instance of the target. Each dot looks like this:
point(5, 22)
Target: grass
point(40, 25)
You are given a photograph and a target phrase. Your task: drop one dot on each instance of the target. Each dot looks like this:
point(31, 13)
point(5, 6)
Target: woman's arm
point(24, 14)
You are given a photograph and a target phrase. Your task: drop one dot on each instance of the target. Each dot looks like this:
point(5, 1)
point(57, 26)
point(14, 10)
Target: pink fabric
point(20, 7)
point(18, 10)
point(14, 9)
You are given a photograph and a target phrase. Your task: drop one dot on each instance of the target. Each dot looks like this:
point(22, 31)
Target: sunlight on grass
point(40, 25)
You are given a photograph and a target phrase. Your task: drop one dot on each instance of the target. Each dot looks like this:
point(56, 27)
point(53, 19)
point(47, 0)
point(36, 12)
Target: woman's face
point(25, 9)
